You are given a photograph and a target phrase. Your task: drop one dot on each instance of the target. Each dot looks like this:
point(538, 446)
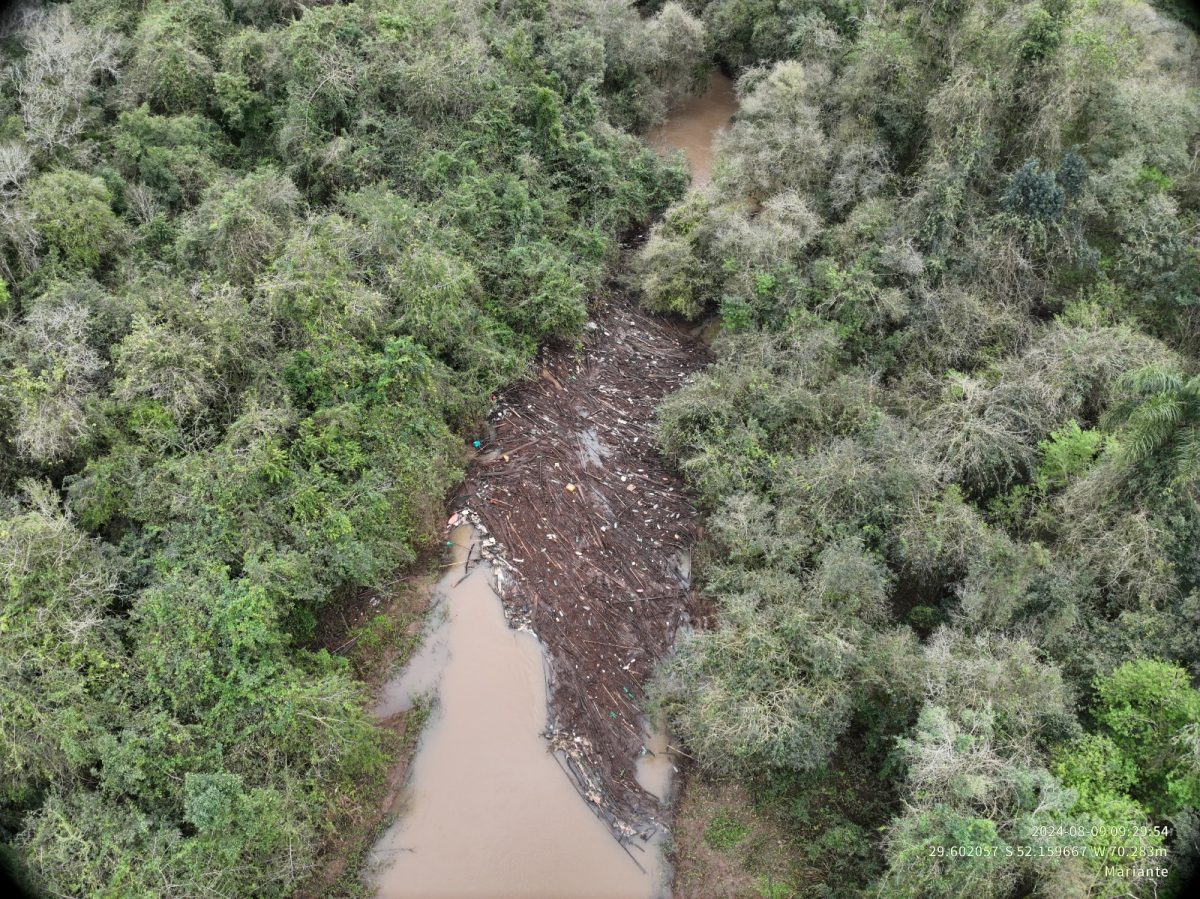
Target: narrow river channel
point(489, 811)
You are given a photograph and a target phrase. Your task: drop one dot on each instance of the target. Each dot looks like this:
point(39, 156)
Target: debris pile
point(589, 532)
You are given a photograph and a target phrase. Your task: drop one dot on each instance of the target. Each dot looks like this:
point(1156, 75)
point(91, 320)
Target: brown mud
point(594, 533)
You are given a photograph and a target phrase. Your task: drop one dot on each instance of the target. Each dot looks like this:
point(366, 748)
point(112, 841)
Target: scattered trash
point(570, 488)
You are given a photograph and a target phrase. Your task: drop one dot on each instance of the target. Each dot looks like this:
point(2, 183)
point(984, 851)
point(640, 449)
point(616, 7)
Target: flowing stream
point(488, 811)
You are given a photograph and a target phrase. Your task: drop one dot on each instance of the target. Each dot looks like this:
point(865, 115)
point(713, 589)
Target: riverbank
point(589, 534)
point(377, 633)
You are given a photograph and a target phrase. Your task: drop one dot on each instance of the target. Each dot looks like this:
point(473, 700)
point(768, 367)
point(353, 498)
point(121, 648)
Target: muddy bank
point(585, 533)
point(376, 632)
point(594, 531)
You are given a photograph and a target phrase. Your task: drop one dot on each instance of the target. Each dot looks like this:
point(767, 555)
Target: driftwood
point(590, 523)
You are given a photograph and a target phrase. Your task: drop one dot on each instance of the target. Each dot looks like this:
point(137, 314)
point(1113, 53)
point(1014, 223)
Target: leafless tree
point(53, 81)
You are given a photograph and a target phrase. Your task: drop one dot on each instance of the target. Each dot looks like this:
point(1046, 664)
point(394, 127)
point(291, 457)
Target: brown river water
point(488, 811)
point(691, 127)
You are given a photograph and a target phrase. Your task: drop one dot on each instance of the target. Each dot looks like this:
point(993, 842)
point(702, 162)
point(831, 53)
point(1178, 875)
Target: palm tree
point(1159, 421)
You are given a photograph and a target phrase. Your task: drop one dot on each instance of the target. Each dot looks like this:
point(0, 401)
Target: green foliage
point(1110, 821)
point(1095, 766)
point(171, 67)
point(62, 678)
point(1042, 35)
point(263, 264)
point(1152, 713)
point(173, 157)
point(724, 832)
point(73, 215)
point(55, 370)
point(239, 227)
point(1158, 421)
point(1035, 193)
point(1072, 175)
point(762, 690)
point(1068, 453)
point(748, 31)
point(210, 800)
point(919, 871)
point(953, 248)
point(639, 67)
point(770, 888)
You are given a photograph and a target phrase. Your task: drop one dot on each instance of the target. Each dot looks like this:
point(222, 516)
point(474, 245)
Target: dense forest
point(264, 263)
point(951, 444)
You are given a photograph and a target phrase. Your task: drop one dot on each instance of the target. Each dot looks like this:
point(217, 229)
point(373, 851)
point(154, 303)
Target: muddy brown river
point(488, 810)
point(691, 128)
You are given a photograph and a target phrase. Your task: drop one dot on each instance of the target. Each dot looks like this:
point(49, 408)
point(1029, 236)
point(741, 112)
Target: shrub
point(672, 268)
point(241, 226)
point(61, 655)
point(53, 388)
point(1152, 713)
point(171, 68)
point(777, 142)
point(72, 213)
point(56, 80)
point(174, 158)
point(1068, 452)
point(760, 690)
point(1034, 193)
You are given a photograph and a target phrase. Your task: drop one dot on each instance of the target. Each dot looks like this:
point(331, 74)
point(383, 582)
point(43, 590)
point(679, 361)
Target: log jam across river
point(490, 810)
